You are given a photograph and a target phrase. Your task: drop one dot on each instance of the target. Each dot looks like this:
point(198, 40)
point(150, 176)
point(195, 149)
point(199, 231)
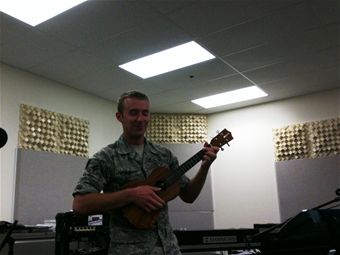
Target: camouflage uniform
point(113, 167)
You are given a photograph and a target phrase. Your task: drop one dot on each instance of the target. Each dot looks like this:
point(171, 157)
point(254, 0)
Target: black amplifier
point(81, 234)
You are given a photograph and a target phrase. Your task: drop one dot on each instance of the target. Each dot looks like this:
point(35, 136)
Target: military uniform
point(113, 167)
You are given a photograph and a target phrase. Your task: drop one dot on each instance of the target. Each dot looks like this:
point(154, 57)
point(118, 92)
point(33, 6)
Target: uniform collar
point(125, 148)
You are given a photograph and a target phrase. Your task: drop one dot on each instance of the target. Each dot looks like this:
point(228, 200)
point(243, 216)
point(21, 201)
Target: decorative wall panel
point(43, 130)
point(325, 138)
point(308, 140)
point(178, 128)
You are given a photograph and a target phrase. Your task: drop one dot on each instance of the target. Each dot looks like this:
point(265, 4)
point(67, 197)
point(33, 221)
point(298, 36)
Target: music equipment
point(6, 239)
point(216, 240)
point(313, 231)
point(19, 239)
point(168, 181)
point(76, 234)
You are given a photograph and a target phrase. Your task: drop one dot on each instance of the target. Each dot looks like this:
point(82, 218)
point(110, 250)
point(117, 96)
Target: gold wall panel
point(177, 128)
point(325, 138)
point(43, 130)
point(308, 140)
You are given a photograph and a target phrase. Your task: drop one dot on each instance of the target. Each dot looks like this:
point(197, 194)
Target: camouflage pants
point(139, 249)
point(127, 249)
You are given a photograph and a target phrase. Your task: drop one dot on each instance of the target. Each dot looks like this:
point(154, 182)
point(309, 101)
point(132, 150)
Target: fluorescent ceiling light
point(230, 97)
point(33, 12)
point(168, 60)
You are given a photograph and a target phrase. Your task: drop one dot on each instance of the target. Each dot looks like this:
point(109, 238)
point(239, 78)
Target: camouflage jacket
point(113, 167)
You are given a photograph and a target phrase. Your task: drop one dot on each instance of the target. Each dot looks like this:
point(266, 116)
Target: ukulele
point(168, 181)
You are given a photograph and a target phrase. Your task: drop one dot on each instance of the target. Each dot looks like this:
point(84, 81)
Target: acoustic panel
point(44, 130)
point(306, 183)
point(308, 140)
point(44, 184)
point(177, 128)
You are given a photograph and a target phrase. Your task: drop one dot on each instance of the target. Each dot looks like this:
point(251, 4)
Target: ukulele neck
point(182, 169)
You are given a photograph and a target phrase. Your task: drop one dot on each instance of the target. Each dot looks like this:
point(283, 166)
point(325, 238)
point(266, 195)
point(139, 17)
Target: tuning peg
point(222, 149)
point(217, 131)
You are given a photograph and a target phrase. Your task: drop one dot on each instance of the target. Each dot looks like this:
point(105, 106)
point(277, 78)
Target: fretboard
point(182, 169)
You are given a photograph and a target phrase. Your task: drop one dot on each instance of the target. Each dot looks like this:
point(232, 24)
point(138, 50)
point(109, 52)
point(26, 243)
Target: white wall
point(244, 181)
point(18, 87)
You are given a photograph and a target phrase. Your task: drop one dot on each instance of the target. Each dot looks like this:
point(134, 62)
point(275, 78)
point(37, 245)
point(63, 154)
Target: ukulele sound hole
point(161, 184)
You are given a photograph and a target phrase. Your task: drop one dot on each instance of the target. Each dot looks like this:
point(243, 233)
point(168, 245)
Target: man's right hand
point(146, 197)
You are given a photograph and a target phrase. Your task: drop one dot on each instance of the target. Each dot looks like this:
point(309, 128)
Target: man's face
point(135, 117)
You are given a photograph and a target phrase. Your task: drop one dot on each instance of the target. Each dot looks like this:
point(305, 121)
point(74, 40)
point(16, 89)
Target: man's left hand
point(210, 155)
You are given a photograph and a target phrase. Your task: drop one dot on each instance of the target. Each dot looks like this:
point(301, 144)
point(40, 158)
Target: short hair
point(130, 94)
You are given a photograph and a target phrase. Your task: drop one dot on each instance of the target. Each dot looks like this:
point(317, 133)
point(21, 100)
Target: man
point(131, 158)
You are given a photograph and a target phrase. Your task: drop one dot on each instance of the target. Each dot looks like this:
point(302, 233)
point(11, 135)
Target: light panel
point(230, 97)
point(34, 12)
point(168, 60)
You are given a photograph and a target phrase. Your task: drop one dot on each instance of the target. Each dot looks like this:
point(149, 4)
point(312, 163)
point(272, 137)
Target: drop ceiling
point(287, 48)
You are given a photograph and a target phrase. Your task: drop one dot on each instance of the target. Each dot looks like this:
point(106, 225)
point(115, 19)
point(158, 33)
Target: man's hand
point(210, 155)
point(146, 197)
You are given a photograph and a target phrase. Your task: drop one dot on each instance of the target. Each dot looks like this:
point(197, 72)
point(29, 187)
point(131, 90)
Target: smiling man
point(102, 188)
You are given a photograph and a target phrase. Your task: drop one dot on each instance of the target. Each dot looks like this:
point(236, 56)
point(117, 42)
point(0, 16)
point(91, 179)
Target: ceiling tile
point(145, 39)
point(69, 66)
point(241, 37)
point(307, 48)
point(327, 13)
point(308, 82)
point(97, 21)
point(296, 18)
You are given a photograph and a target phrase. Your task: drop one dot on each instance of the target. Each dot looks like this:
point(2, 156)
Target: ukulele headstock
point(222, 138)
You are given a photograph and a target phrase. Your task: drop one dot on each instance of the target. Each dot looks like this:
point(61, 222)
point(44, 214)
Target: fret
point(182, 169)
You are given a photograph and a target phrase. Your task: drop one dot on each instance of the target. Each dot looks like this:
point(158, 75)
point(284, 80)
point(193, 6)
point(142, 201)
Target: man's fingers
point(148, 199)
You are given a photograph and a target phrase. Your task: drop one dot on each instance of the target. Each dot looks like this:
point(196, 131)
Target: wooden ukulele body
point(137, 216)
